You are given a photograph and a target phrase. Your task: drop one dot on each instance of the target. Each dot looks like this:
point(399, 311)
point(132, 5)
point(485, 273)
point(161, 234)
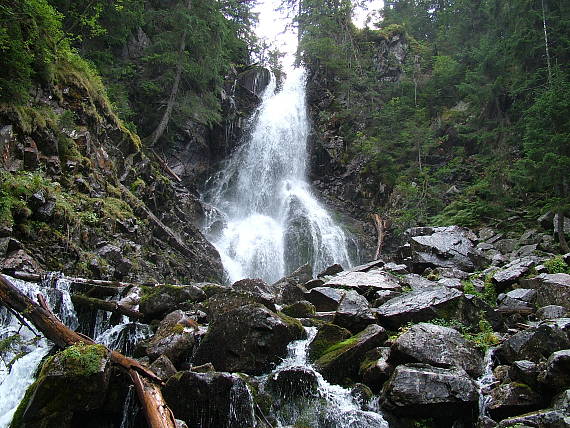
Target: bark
point(174, 90)
point(115, 307)
point(165, 166)
point(156, 411)
point(381, 226)
point(546, 45)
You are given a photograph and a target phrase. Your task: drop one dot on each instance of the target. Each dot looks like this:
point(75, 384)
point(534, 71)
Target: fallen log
point(110, 306)
point(381, 226)
point(157, 413)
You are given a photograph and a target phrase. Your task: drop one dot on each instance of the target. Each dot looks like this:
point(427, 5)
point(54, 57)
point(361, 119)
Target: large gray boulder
point(438, 346)
point(248, 339)
point(173, 338)
point(353, 312)
point(294, 382)
point(163, 299)
point(557, 373)
point(512, 399)
point(365, 282)
point(228, 300)
point(421, 390)
point(209, 399)
point(290, 289)
point(551, 289)
point(325, 298)
point(515, 270)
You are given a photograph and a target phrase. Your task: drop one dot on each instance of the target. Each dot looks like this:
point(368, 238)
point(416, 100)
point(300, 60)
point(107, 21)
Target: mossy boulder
point(174, 338)
point(340, 362)
point(228, 300)
point(248, 339)
point(327, 336)
point(157, 301)
point(302, 309)
point(72, 382)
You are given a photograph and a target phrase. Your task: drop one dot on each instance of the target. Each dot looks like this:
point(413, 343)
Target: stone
point(172, 338)
point(382, 296)
point(21, 261)
point(247, 339)
point(415, 281)
point(425, 391)
point(438, 346)
point(524, 371)
point(294, 382)
point(452, 273)
point(557, 373)
point(327, 335)
point(536, 343)
point(302, 309)
point(375, 369)
point(325, 298)
point(313, 283)
point(166, 298)
point(506, 246)
point(520, 298)
point(512, 399)
point(514, 271)
point(209, 399)
point(551, 312)
point(547, 418)
point(353, 312)
point(256, 287)
point(562, 401)
point(451, 283)
point(551, 289)
point(486, 233)
point(399, 269)
point(341, 362)
point(365, 282)
point(423, 304)
point(368, 266)
point(290, 289)
point(331, 270)
point(163, 367)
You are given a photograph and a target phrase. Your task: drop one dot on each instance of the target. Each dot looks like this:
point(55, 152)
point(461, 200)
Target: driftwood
point(156, 411)
point(381, 226)
point(165, 166)
point(110, 306)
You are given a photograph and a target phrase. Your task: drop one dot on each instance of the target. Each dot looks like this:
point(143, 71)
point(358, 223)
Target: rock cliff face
point(80, 194)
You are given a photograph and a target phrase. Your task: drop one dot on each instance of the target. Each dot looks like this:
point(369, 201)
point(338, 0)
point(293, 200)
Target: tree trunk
point(116, 308)
point(561, 235)
point(174, 91)
point(381, 226)
point(546, 45)
point(156, 411)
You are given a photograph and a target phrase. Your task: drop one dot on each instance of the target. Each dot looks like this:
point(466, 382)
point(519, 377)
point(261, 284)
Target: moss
point(557, 265)
point(138, 185)
point(79, 359)
point(177, 329)
point(328, 335)
point(295, 325)
point(333, 351)
point(117, 209)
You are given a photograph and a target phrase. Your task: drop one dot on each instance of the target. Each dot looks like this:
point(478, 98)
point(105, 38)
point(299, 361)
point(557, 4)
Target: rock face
point(247, 339)
point(343, 360)
point(438, 346)
point(422, 390)
point(209, 399)
point(450, 246)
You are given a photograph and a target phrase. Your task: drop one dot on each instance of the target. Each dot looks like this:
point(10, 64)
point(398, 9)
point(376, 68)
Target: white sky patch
point(370, 12)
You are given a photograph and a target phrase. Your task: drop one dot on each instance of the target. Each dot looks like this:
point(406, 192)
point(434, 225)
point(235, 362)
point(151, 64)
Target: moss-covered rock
point(302, 309)
point(327, 336)
point(157, 301)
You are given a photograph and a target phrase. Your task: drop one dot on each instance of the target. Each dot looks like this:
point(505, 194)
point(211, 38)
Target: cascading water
point(272, 221)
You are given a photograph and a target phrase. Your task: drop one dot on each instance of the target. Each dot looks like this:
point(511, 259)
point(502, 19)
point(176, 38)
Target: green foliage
point(79, 359)
point(557, 265)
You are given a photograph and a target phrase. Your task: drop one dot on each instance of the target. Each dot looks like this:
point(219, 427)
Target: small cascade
point(266, 221)
point(130, 409)
point(330, 406)
point(21, 359)
point(485, 382)
point(124, 337)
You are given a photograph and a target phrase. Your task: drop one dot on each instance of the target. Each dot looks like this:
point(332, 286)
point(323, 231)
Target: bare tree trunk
point(546, 45)
point(561, 235)
point(105, 305)
point(157, 413)
point(381, 226)
point(174, 91)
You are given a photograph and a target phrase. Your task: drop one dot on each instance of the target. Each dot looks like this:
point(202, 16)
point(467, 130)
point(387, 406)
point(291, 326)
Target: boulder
point(289, 289)
point(327, 336)
point(536, 343)
point(524, 371)
point(376, 368)
point(423, 304)
point(512, 399)
point(557, 373)
point(551, 312)
point(294, 382)
point(342, 361)
point(173, 338)
point(438, 346)
point(548, 418)
point(331, 270)
point(229, 300)
point(353, 312)
point(302, 309)
point(551, 289)
point(163, 367)
point(517, 299)
point(451, 246)
point(382, 296)
point(451, 283)
point(514, 271)
point(158, 301)
point(420, 390)
point(398, 269)
point(415, 281)
point(325, 298)
point(209, 399)
point(247, 339)
point(365, 282)
point(74, 381)
point(256, 287)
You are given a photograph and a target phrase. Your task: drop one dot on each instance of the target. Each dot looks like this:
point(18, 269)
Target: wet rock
point(74, 381)
point(382, 296)
point(353, 312)
point(362, 394)
point(520, 298)
point(20, 260)
point(548, 418)
point(422, 305)
point(313, 283)
point(399, 269)
point(562, 402)
point(327, 336)
point(557, 374)
point(331, 270)
point(256, 287)
point(209, 399)
point(514, 271)
point(438, 346)
point(536, 343)
point(551, 289)
point(229, 300)
point(172, 338)
point(376, 368)
point(415, 281)
point(290, 289)
point(451, 246)
point(551, 312)
point(294, 382)
point(524, 371)
point(165, 298)
point(365, 282)
point(203, 368)
point(342, 361)
point(451, 283)
point(247, 339)
point(302, 309)
point(325, 298)
point(163, 367)
point(368, 266)
point(512, 399)
point(425, 391)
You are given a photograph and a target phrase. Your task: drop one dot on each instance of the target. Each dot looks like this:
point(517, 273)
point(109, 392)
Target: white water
point(484, 383)
point(341, 409)
point(15, 380)
point(273, 222)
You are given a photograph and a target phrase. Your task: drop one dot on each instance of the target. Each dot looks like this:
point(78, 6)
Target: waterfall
point(272, 222)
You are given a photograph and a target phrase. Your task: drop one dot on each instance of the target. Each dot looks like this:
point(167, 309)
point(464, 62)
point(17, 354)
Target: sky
point(272, 26)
